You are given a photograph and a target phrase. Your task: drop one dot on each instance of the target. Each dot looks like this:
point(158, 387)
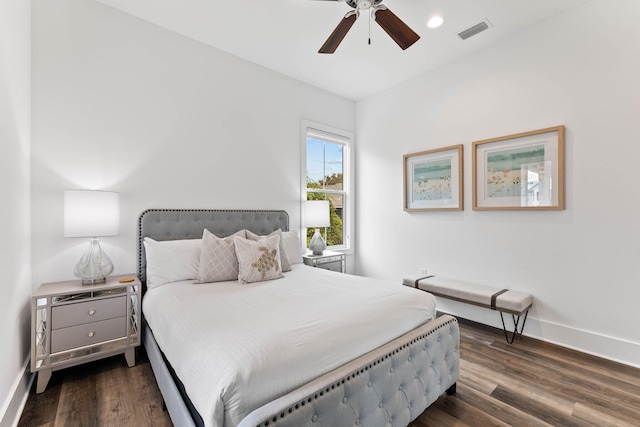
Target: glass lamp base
point(94, 266)
point(317, 244)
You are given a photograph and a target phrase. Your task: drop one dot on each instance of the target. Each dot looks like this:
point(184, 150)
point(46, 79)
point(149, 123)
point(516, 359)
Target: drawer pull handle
point(92, 312)
point(91, 334)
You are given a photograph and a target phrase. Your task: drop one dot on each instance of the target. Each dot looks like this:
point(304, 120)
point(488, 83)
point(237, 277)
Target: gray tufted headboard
point(177, 224)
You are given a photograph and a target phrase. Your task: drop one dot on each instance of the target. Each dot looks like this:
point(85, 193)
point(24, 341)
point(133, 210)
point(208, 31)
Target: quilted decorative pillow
point(292, 247)
point(171, 260)
point(284, 259)
point(218, 261)
point(258, 260)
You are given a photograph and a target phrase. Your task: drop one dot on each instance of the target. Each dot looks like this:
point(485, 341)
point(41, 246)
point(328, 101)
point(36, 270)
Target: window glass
point(325, 181)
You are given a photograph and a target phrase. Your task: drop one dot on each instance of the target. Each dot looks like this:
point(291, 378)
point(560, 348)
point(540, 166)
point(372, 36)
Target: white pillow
point(218, 261)
point(284, 260)
point(258, 260)
point(292, 247)
point(171, 260)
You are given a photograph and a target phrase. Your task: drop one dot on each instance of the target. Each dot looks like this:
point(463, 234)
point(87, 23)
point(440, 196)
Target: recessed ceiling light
point(435, 21)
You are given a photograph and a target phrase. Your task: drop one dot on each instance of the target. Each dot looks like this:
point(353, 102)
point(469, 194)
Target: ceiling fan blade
point(338, 34)
point(398, 30)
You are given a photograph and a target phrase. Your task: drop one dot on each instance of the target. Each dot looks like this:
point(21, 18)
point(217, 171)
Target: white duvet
point(237, 347)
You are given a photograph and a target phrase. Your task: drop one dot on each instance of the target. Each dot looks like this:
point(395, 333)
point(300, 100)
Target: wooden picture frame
point(524, 171)
point(433, 180)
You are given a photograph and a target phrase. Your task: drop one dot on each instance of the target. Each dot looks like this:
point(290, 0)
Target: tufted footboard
point(391, 385)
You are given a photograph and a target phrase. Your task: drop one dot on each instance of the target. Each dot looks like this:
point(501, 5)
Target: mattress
point(237, 347)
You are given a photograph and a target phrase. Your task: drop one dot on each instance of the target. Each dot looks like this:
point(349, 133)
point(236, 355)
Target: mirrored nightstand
point(329, 260)
point(73, 324)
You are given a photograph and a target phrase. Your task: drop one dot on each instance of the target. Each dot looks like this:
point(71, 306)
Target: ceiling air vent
point(474, 29)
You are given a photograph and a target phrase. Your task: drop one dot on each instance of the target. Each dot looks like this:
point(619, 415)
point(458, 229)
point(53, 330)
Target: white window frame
point(340, 136)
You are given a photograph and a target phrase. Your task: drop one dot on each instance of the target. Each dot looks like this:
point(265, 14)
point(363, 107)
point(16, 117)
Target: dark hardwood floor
point(529, 383)
point(102, 393)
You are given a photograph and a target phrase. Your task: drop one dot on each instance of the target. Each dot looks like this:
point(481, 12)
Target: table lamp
point(317, 215)
point(92, 214)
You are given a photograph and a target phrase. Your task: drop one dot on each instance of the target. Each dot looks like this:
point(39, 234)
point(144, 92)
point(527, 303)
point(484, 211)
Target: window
point(327, 178)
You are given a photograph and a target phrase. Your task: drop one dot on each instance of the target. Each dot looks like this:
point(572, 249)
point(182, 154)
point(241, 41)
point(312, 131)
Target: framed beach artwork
point(524, 171)
point(433, 180)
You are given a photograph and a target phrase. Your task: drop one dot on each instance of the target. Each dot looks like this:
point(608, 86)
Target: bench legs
point(516, 321)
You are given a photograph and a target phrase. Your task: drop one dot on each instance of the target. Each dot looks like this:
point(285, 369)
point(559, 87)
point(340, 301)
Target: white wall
point(15, 265)
point(124, 105)
point(579, 69)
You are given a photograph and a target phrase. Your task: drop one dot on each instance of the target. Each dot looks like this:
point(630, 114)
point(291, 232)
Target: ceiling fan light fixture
point(435, 21)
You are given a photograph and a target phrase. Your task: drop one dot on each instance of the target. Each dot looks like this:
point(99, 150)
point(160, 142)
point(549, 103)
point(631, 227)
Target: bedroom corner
point(15, 215)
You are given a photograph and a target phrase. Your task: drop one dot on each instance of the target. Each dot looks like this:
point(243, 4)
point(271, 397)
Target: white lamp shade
point(91, 213)
point(317, 213)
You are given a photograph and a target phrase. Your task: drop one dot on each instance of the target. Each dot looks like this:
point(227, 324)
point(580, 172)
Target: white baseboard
point(606, 347)
point(15, 402)
point(610, 348)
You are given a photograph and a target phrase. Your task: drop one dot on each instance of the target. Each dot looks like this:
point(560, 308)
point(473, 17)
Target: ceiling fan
point(398, 30)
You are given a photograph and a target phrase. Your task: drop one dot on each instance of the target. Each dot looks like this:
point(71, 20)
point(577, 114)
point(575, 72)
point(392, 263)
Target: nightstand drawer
point(90, 311)
point(331, 265)
point(325, 260)
point(91, 333)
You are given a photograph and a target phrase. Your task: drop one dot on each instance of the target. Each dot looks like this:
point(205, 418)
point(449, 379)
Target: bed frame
point(392, 384)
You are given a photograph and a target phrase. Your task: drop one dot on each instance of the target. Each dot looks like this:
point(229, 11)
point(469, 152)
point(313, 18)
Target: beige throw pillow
point(284, 259)
point(258, 260)
point(218, 261)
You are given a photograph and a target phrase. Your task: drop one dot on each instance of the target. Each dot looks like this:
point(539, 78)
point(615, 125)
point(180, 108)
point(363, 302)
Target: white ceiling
point(285, 35)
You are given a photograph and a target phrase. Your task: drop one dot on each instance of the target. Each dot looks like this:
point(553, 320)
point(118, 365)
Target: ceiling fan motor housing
point(363, 4)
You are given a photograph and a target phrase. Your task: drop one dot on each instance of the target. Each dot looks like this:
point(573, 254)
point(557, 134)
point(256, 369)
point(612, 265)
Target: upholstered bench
point(503, 300)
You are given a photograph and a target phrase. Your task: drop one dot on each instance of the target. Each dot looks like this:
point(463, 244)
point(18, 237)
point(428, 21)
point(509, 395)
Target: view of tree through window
point(325, 171)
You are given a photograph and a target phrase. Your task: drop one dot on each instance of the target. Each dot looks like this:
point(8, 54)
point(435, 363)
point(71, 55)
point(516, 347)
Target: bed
point(312, 347)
